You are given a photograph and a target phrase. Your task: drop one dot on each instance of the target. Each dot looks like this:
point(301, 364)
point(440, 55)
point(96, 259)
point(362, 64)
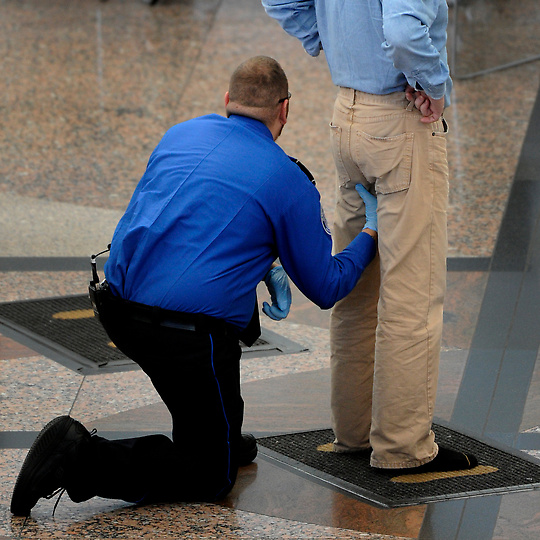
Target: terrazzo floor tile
point(531, 416)
point(519, 518)
point(533, 453)
point(53, 229)
point(483, 147)
point(103, 396)
point(464, 295)
point(99, 519)
point(485, 40)
point(94, 91)
point(31, 285)
point(191, 521)
point(10, 461)
point(88, 90)
point(107, 394)
point(34, 390)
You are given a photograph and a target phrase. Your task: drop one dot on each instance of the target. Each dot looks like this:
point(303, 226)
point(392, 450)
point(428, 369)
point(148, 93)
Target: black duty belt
point(102, 300)
point(193, 322)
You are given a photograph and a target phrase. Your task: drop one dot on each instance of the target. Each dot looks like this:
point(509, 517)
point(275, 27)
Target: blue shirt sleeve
point(297, 18)
point(408, 27)
point(373, 46)
point(304, 245)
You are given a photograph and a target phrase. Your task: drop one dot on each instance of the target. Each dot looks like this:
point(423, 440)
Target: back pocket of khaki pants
point(387, 161)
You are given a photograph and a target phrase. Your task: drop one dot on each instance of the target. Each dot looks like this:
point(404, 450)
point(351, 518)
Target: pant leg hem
point(404, 464)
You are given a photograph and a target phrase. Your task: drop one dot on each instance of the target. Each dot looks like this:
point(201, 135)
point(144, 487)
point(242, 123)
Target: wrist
point(371, 233)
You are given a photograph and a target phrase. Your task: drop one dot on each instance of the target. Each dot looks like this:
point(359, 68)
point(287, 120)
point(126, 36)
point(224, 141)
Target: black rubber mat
point(65, 330)
point(499, 471)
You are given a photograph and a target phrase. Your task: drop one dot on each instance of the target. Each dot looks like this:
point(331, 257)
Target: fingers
point(430, 119)
point(274, 312)
point(284, 301)
point(370, 202)
point(362, 191)
point(431, 109)
point(410, 93)
point(423, 104)
point(277, 283)
point(367, 197)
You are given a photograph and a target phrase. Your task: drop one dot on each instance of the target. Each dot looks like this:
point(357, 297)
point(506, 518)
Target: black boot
point(247, 449)
point(44, 471)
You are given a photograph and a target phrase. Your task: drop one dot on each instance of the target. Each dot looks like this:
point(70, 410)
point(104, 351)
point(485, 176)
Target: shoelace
point(59, 490)
point(62, 490)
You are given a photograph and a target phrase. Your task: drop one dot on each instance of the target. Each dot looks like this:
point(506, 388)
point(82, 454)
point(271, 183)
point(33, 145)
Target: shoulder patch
point(325, 223)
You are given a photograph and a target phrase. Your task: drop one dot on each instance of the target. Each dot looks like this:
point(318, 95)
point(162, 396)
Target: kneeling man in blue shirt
point(220, 202)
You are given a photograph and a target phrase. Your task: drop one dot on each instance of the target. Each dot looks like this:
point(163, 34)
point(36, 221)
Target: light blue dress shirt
point(373, 46)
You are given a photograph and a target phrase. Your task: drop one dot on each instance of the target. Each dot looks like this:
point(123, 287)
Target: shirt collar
point(252, 123)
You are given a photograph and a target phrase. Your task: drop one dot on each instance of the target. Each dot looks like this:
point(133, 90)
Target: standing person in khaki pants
point(388, 60)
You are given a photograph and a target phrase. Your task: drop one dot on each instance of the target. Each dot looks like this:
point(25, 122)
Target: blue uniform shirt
point(219, 201)
point(373, 46)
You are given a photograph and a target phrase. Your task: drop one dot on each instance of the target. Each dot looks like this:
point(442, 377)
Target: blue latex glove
point(371, 207)
point(277, 283)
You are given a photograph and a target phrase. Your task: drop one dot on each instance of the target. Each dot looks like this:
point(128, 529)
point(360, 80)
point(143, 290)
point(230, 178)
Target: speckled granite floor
point(89, 87)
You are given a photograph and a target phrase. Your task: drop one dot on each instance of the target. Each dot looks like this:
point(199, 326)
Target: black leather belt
point(192, 322)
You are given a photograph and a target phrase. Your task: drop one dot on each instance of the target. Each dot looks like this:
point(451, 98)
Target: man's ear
point(284, 112)
point(227, 98)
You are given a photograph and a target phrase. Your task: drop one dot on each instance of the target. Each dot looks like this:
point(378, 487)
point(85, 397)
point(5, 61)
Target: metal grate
point(65, 330)
point(505, 470)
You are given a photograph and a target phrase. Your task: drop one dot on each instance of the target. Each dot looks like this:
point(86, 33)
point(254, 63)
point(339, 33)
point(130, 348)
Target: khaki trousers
point(386, 335)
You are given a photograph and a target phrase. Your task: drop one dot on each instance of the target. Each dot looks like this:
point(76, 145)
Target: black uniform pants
point(197, 374)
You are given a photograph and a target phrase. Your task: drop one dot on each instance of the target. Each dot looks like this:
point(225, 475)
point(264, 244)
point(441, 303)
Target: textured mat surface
point(65, 329)
point(498, 472)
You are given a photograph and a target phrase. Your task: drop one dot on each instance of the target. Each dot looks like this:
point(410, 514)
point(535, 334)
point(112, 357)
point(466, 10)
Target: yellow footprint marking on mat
point(78, 314)
point(428, 477)
point(425, 477)
point(74, 314)
point(328, 447)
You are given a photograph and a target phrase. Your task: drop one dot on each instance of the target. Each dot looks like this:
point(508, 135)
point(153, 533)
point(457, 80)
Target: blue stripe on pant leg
point(224, 415)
